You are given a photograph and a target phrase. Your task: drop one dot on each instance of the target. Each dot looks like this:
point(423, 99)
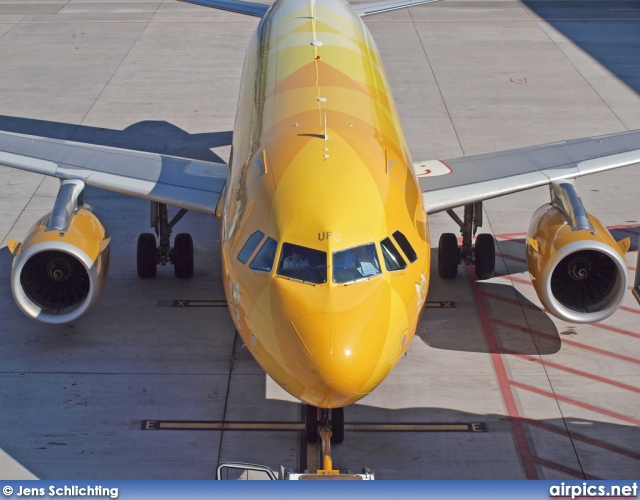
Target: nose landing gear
point(329, 424)
point(331, 420)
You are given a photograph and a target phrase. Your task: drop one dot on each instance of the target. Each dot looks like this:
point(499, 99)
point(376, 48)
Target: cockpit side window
point(302, 263)
point(250, 246)
point(393, 260)
point(355, 264)
point(406, 247)
point(263, 261)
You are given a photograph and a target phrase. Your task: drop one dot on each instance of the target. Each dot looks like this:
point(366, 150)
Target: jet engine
point(59, 270)
point(577, 268)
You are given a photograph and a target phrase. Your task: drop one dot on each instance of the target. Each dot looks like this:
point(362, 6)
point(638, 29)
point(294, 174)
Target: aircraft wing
point(181, 182)
point(461, 181)
point(239, 6)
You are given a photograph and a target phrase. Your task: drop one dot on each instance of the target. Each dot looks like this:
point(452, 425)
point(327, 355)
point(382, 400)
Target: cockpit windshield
point(302, 263)
point(356, 263)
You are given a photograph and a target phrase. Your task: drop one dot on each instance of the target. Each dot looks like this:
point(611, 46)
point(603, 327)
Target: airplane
point(325, 244)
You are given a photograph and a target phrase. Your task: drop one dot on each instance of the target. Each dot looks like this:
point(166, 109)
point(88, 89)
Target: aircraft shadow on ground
point(152, 136)
point(5, 262)
point(447, 455)
point(609, 37)
point(454, 329)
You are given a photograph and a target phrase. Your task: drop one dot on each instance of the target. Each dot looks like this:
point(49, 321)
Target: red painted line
point(624, 226)
point(566, 341)
point(574, 402)
point(563, 468)
point(536, 308)
point(625, 230)
point(630, 309)
point(510, 257)
point(551, 364)
point(512, 301)
point(616, 330)
point(509, 235)
point(514, 239)
point(522, 443)
point(585, 439)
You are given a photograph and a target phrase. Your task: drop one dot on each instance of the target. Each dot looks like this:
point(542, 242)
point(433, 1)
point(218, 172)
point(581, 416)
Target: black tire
point(448, 256)
point(147, 256)
point(183, 256)
point(485, 256)
point(311, 423)
point(337, 425)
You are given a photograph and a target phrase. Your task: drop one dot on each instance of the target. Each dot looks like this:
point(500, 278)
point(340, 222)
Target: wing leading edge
point(241, 7)
point(190, 184)
point(481, 177)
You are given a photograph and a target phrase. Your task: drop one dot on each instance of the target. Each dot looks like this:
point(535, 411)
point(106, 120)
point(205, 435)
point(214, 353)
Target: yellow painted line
point(207, 303)
point(177, 425)
point(213, 426)
point(262, 426)
point(447, 304)
point(411, 427)
point(191, 303)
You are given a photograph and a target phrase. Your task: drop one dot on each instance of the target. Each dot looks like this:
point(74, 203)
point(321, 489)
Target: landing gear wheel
point(485, 256)
point(183, 256)
point(147, 260)
point(311, 423)
point(337, 425)
point(448, 256)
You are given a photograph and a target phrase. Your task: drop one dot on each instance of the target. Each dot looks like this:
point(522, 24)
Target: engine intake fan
point(59, 270)
point(577, 268)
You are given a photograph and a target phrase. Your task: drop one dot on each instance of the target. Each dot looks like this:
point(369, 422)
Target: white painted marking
point(12, 470)
point(81, 1)
point(431, 168)
point(475, 10)
point(130, 11)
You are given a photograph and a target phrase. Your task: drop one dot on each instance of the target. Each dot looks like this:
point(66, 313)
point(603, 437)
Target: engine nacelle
point(578, 270)
point(58, 273)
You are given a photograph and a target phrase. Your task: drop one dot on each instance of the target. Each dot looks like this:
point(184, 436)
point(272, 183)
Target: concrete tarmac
point(124, 392)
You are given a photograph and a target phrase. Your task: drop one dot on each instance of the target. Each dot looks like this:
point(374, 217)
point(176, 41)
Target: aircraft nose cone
point(334, 344)
point(341, 354)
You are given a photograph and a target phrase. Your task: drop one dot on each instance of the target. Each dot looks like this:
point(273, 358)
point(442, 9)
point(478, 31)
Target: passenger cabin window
point(263, 261)
point(250, 246)
point(393, 260)
point(406, 247)
point(355, 264)
point(302, 263)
